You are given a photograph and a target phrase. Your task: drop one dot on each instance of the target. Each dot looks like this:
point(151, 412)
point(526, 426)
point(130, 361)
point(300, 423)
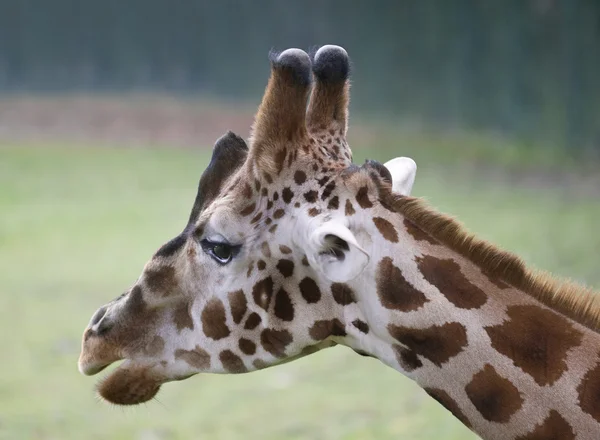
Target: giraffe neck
point(505, 364)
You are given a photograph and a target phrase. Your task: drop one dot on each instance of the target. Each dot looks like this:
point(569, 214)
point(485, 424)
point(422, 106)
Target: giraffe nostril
point(100, 322)
point(98, 316)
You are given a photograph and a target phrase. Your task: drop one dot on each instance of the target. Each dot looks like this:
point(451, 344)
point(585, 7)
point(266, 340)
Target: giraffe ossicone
point(290, 249)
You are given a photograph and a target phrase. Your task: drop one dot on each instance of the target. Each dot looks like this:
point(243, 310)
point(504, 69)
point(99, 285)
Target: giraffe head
point(258, 276)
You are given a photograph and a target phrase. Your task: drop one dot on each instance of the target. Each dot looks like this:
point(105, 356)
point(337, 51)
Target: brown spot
point(264, 248)
point(259, 364)
point(361, 325)
point(284, 249)
point(280, 159)
point(232, 362)
point(310, 290)
point(196, 358)
point(272, 229)
point(349, 209)
point(248, 210)
point(287, 195)
point(238, 304)
point(297, 204)
point(299, 177)
point(323, 180)
point(451, 282)
point(262, 292)
point(284, 309)
point(268, 178)
point(250, 269)
point(247, 346)
point(554, 427)
point(417, 233)
point(268, 221)
point(437, 343)
point(407, 358)
point(311, 196)
point(342, 294)
point(305, 261)
point(278, 213)
point(257, 184)
point(589, 393)
point(334, 203)
point(275, 341)
point(285, 267)
point(444, 399)
point(394, 291)
point(495, 397)
point(261, 265)
point(313, 212)
point(182, 317)
point(275, 196)
point(252, 321)
point(155, 346)
point(214, 322)
point(537, 340)
point(264, 192)
point(256, 218)
point(247, 191)
point(161, 280)
point(328, 190)
point(269, 204)
point(362, 197)
point(386, 229)
point(323, 329)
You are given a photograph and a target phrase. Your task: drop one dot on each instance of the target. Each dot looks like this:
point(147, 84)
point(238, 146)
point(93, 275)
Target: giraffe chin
point(129, 385)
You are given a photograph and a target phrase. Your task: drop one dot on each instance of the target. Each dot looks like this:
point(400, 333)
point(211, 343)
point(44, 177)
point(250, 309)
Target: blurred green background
point(108, 111)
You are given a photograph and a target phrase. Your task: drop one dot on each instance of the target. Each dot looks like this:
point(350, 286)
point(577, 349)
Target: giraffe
point(290, 248)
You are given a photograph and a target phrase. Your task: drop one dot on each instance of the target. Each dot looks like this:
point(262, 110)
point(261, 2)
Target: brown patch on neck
point(451, 282)
point(589, 393)
point(238, 304)
point(232, 362)
point(554, 427)
point(537, 340)
point(438, 343)
point(342, 294)
point(275, 341)
point(417, 233)
point(197, 358)
point(573, 300)
point(386, 229)
point(495, 397)
point(394, 291)
point(407, 359)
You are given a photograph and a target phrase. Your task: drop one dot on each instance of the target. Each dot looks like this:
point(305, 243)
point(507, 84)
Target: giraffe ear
point(403, 171)
point(333, 249)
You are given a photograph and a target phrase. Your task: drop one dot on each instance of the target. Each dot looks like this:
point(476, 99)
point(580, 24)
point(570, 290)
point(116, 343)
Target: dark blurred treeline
point(528, 68)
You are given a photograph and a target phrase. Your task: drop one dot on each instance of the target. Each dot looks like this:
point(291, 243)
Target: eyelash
point(210, 246)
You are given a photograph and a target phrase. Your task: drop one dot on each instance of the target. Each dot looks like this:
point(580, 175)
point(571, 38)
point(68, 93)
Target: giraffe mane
point(574, 300)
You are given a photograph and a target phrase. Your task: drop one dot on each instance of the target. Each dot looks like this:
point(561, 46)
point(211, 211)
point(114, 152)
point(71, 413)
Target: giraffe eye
point(222, 253)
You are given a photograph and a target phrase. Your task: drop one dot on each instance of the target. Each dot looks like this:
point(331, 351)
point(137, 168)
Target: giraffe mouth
point(130, 384)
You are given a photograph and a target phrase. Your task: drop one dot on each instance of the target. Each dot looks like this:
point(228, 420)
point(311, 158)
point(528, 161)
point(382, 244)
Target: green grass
point(76, 227)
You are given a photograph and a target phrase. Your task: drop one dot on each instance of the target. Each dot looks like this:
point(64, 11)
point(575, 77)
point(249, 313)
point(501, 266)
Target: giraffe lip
point(92, 369)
